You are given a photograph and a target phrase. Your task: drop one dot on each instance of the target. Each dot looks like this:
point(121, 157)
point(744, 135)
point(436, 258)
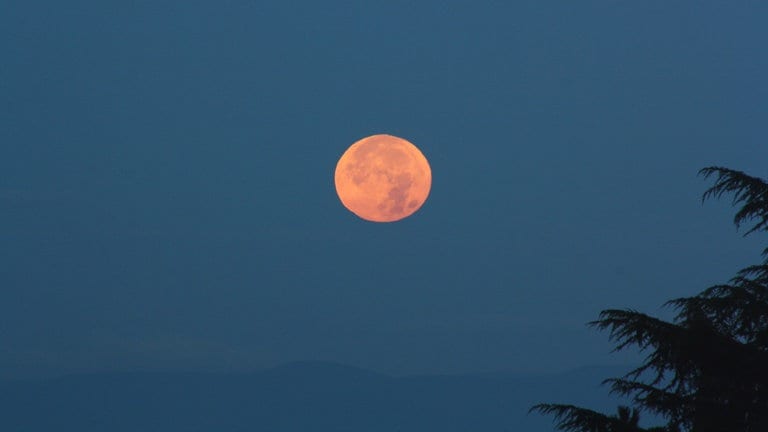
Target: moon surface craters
point(383, 178)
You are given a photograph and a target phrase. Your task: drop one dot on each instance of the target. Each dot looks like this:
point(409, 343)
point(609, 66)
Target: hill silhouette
point(299, 396)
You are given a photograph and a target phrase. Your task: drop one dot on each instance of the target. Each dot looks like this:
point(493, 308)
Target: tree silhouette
point(573, 418)
point(707, 370)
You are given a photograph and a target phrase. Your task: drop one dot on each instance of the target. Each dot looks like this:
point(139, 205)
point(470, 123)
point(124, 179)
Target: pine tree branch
point(672, 405)
point(750, 192)
point(570, 418)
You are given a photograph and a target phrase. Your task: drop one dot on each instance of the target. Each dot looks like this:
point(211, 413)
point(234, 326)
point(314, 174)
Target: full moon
point(383, 178)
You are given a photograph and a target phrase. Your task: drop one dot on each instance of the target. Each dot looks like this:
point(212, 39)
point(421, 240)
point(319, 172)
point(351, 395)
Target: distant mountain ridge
point(301, 396)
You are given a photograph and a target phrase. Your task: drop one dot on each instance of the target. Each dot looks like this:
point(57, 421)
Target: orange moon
point(383, 178)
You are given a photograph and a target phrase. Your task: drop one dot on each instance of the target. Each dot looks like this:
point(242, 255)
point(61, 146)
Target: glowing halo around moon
point(383, 178)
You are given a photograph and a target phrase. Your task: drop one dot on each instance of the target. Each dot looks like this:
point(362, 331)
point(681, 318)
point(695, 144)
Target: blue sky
point(166, 178)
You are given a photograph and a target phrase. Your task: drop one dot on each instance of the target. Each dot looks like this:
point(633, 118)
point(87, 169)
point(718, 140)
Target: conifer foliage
point(707, 370)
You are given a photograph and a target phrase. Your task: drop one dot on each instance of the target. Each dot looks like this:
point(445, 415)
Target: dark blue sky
point(166, 178)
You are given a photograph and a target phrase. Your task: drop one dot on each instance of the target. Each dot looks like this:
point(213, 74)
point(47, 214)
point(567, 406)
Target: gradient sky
point(166, 178)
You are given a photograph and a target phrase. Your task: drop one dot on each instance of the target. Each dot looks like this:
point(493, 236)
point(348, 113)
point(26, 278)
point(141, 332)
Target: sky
point(167, 197)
